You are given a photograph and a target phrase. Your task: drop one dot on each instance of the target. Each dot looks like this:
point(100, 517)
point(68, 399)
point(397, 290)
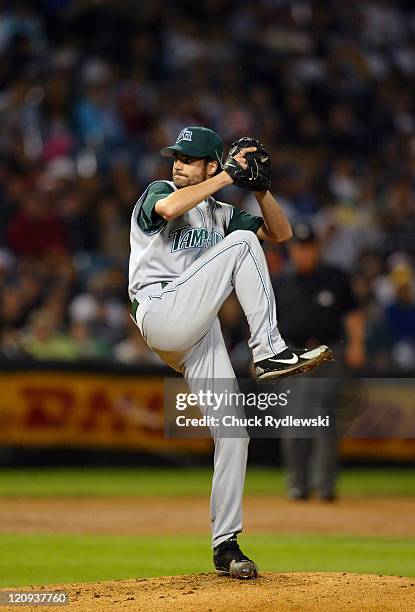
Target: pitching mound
point(211, 593)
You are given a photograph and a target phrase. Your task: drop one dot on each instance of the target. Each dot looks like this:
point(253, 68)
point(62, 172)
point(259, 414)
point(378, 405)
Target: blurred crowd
point(91, 89)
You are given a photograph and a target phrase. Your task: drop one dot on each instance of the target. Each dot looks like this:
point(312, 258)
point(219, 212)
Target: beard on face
point(185, 181)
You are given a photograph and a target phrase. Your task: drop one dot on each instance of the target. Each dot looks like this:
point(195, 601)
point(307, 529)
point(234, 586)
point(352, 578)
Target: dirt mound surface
point(211, 593)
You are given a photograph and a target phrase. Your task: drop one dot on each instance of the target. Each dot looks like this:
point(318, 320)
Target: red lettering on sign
point(47, 406)
point(100, 408)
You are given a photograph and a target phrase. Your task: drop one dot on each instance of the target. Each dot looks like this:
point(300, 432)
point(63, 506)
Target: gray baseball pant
point(181, 325)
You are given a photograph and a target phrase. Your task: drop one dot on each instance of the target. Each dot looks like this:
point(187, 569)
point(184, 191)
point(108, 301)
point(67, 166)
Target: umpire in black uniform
point(315, 306)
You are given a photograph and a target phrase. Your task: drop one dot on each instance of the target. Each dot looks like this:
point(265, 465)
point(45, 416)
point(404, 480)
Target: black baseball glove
point(257, 176)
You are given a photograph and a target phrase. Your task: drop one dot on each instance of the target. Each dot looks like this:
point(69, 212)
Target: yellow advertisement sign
point(395, 449)
point(386, 427)
point(86, 410)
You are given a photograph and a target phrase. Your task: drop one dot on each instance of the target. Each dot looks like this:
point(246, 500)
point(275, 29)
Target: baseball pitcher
point(188, 253)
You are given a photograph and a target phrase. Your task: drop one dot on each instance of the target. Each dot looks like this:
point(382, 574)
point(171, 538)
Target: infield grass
point(184, 481)
point(47, 559)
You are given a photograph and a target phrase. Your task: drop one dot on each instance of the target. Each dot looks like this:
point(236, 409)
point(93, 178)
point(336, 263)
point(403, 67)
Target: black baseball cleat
point(229, 560)
point(292, 361)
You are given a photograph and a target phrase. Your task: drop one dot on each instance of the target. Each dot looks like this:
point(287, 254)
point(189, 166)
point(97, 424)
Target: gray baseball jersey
point(181, 272)
point(161, 251)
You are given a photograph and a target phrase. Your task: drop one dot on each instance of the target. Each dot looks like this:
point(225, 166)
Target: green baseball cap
point(197, 141)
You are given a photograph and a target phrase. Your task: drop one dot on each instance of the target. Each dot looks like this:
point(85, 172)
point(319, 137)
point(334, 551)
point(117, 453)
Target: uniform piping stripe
point(268, 300)
point(158, 297)
point(204, 225)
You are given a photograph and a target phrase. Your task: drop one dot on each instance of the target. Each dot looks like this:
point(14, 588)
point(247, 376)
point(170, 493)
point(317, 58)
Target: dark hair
point(213, 159)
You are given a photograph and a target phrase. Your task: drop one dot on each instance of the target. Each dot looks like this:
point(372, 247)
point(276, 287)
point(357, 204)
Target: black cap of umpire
point(303, 232)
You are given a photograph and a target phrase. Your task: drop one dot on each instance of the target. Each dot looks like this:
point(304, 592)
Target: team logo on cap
point(185, 135)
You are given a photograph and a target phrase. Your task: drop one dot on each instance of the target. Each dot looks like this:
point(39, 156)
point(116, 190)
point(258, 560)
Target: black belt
point(135, 303)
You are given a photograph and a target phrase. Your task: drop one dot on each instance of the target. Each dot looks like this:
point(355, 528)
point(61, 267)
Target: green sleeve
point(148, 220)
point(241, 220)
